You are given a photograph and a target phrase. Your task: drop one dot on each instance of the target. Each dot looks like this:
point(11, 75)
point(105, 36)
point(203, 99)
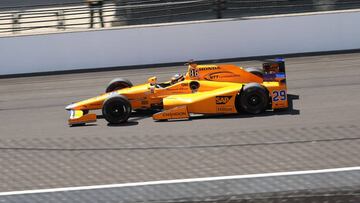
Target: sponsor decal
point(184, 84)
point(224, 109)
point(180, 92)
point(173, 88)
point(220, 75)
point(209, 68)
point(144, 102)
point(269, 77)
point(212, 76)
point(222, 99)
point(271, 67)
point(175, 114)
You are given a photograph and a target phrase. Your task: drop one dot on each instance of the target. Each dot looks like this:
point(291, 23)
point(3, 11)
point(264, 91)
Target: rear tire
point(116, 109)
point(256, 71)
point(253, 99)
point(118, 84)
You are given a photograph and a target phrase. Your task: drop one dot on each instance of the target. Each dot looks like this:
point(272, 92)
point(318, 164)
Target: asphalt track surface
point(315, 187)
point(38, 150)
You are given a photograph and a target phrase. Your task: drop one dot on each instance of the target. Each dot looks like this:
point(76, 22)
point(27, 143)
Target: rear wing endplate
point(274, 70)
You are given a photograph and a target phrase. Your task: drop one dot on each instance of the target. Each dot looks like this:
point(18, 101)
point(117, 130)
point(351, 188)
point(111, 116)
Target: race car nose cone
point(69, 107)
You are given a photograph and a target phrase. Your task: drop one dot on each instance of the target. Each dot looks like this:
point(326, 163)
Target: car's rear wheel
point(116, 109)
point(117, 84)
point(256, 71)
point(253, 99)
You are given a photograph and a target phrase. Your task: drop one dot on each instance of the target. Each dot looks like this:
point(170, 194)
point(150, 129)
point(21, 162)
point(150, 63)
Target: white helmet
point(177, 78)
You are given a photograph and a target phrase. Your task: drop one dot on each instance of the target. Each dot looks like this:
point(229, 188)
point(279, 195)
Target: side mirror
point(152, 80)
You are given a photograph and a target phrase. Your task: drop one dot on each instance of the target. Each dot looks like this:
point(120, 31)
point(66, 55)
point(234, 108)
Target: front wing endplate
point(77, 117)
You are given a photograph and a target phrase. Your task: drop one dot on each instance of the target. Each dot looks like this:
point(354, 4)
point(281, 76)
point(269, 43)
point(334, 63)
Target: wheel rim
point(254, 100)
point(117, 111)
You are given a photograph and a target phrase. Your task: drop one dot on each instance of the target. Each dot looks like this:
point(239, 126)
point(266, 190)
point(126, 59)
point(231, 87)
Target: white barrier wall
point(179, 42)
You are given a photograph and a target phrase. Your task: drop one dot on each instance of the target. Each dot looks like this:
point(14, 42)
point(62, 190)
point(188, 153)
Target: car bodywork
point(216, 90)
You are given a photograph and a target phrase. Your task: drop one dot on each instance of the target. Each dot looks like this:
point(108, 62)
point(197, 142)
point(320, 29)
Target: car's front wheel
point(116, 109)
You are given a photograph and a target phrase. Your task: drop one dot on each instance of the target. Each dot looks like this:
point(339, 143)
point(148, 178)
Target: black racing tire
point(116, 109)
point(256, 71)
point(254, 98)
point(118, 84)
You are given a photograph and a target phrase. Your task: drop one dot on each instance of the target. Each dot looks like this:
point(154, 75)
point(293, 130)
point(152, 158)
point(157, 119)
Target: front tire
point(254, 98)
point(116, 109)
point(118, 84)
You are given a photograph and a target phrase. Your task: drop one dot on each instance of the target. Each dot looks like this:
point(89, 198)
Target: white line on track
point(192, 180)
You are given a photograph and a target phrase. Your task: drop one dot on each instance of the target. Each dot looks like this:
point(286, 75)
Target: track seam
point(179, 147)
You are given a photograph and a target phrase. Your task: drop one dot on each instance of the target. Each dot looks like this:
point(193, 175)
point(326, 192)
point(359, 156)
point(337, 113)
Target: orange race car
point(205, 89)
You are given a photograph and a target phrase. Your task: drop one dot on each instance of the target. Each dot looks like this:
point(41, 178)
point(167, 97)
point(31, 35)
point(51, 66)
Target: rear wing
point(274, 70)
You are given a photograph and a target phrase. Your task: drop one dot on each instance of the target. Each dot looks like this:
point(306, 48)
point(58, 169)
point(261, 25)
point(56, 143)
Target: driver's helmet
point(177, 78)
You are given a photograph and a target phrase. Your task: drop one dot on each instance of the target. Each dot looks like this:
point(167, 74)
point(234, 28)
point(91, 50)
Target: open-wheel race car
point(205, 89)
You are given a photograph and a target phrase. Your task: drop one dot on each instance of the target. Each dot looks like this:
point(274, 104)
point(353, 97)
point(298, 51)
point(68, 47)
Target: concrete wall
point(180, 42)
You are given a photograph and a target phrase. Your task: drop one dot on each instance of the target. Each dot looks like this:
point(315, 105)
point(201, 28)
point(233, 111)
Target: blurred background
point(37, 16)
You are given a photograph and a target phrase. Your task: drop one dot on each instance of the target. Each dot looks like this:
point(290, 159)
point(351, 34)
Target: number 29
point(279, 95)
